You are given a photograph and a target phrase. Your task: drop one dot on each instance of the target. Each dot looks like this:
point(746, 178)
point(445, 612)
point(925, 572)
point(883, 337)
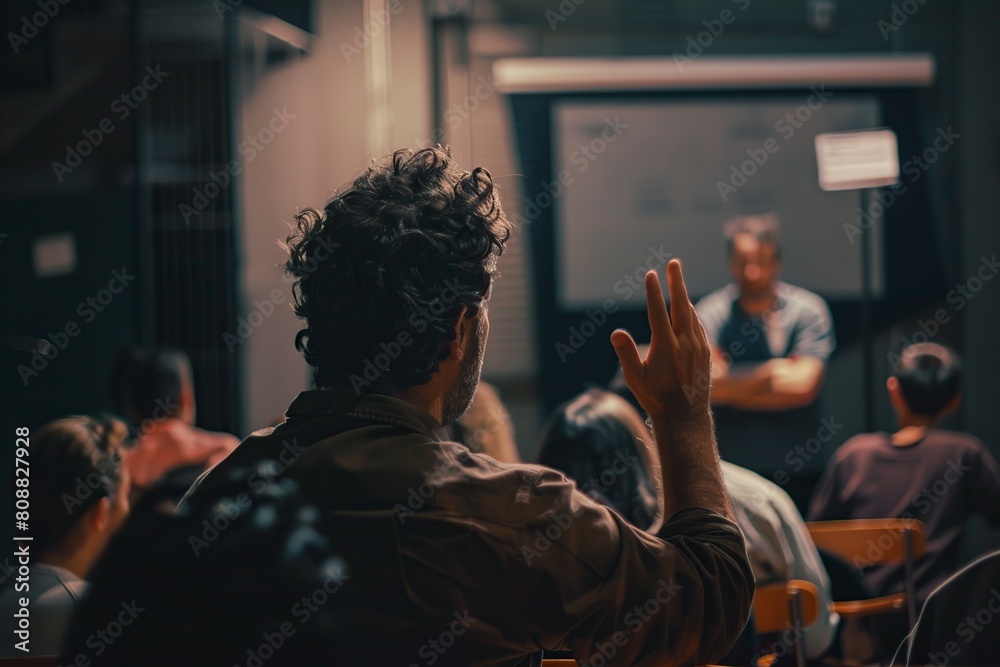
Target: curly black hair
point(382, 273)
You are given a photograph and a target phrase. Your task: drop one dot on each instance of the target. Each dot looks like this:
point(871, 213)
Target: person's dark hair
point(383, 272)
point(929, 376)
point(147, 382)
point(587, 440)
point(619, 387)
point(76, 461)
point(764, 227)
point(213, 581)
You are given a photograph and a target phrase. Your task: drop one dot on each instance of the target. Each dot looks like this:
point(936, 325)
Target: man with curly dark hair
point(409, 256)
point(456, 558)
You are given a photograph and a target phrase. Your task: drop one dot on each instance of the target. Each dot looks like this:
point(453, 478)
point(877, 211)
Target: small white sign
point(856, 160)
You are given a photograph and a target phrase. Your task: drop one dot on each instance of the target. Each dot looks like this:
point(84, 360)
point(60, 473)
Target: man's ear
point(463, 329)
point(98, 516)
point(895, 395)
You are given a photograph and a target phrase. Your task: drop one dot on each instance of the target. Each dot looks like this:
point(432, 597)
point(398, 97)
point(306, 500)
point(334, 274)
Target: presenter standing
point(771, 341)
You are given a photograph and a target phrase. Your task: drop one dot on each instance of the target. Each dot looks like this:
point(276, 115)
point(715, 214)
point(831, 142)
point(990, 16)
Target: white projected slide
point(641, 175)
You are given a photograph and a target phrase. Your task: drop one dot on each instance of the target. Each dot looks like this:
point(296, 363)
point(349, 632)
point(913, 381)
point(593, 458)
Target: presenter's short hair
point(764, 227)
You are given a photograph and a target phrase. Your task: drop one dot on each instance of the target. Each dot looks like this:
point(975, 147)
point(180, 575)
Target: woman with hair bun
point(79, 497)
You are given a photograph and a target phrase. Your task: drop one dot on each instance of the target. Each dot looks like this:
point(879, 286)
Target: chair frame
point(828, 535)
point(802, 609)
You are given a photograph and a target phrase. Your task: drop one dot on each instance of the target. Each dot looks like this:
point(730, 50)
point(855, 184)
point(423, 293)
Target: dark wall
point(86, 315)
point(67, 148)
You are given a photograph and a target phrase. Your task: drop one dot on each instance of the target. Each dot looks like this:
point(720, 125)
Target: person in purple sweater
point(921, 471)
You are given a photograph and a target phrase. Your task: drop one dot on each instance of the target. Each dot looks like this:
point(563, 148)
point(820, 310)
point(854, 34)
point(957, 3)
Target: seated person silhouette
point(393, 279)
point(155, 389)
point(244, 580)
point(79, 497)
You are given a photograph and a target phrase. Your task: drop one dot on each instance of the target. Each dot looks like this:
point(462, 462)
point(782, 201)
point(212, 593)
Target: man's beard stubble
point(459, 397)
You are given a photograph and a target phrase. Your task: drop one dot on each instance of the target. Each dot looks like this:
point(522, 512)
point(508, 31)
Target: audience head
point(596, 440)
point(154, 384)
point(220, 581)
point(393, 279)
point(754, 246)
point(79, 489)
point(926, 381)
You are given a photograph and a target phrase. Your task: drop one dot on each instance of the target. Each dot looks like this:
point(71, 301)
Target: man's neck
point(430, 402)
point(912, 428)
point(78, 562)
point(757, 304)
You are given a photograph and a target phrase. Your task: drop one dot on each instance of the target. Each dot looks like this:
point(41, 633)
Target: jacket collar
point(374, 408)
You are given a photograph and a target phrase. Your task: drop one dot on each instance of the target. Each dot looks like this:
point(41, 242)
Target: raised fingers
point(628, 355)
point(660, 328)
point(680, 303)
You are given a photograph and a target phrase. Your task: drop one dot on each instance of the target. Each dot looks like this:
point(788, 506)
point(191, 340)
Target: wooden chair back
point(865, 542)
point(789, 605)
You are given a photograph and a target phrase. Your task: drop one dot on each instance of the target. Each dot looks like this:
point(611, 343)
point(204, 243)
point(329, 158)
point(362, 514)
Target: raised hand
point(674, 380)
point(672, 384)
